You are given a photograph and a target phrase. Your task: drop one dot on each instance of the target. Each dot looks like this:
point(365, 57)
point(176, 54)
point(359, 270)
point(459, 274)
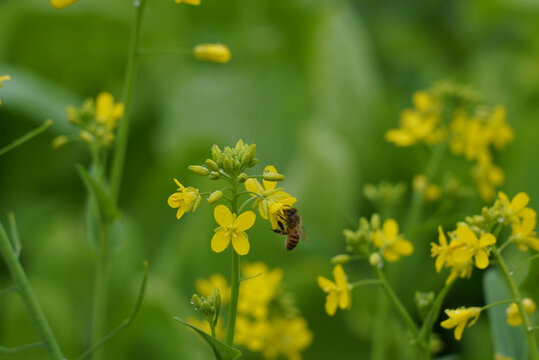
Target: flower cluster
point(229, 165)
point(513, 314)
point(97, 120)
point(268, 321)
point(2, 79)
point(472, 134)
point(374, 238)
point(463, 251)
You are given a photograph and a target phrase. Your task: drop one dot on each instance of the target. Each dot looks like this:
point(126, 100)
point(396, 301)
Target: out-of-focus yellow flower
point(256, 293)
point(107, 112)
point(184, 199)
point(513, 314)
point(271, 201)
point(487, 176)
point(511, 208)
point(287, 336)
point(458, 319)
point(232, 229)
point(205, 326)
point(502, 357)
point(523, 233)
point(205, 287)
point(431, 192)
point(2, 79)
point(217, 53)
point(391, 244)
point(339, 292)
point(188, 2)
point(61, 4)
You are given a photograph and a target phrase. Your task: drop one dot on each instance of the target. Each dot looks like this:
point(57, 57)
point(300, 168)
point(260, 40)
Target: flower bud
point(215, 196)
point(215, 153)
point(375, 259)
point(270, 176)
point(529, 305)
point(196, 301)
point(253, 162)
point(340, 259)
point(59, 141)
point(228, 165)
point(199, 170)
point(423, 302)
point(212, 165)
point(242, 178)
point(86, 137)
point(214, 176)
point(217, 53)
point(375, 221)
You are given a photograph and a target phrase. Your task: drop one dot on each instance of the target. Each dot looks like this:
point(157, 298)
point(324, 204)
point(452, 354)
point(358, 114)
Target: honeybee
point(291, 226)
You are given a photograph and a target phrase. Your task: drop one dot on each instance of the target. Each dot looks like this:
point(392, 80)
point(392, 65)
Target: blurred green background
point(315, 84)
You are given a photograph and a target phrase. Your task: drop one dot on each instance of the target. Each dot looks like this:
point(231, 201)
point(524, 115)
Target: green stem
point(165, 50)
point(18, 349)
point(365, 282)
point(379, 339)
point(518, 299)
point(26, 137)
point(417, 197)
point(501, 302)
point(101, 291)
point(234, 280)
point(423, 338)
point(29, 298)
point(130, 72)
point(398, 305)
point(9, 289)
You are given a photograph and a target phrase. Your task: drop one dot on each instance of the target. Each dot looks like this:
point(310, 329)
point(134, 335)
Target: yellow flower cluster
point(270, 200)
point(462, 252)
point(97, 119)
point(2, 79)
point(392, 245)
point(458, 319)
point(266, 322)
point(513, 314)
point(521, 218)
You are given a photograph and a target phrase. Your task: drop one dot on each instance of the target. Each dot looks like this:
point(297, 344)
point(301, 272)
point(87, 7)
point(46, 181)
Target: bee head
point(290, 211)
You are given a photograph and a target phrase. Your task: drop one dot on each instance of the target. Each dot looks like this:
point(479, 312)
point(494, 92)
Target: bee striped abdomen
point(292, 239)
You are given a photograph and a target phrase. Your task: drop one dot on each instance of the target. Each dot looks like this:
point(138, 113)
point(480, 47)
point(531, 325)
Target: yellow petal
point(528, 220)
point(180, 212)
point(340, 276)
point(462, 254)
point(60, 4)
point(481, 259)
point(219, 241)
point(104, 104)
point(179, 185)
point(189, 2)
point(519, 202)
point(253, 185)
point(325, 284)
point(441, 236)
point(118, 110)
point(487, 240)
point(223, 216)
point(245, 220)
point(459, 329)
point(466, 235)
point(240, 243)
point(344, 299)
point(390, 255)
point(403, 247)
point(390, 228)
point(269, 185)
point(175, 200)
point(332, 301)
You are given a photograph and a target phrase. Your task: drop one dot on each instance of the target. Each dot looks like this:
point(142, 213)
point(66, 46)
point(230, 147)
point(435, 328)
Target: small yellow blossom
point(218, 53)
point(3, 78)
point(205, 287)
point(184, 199)
point(271, 201)
point(61, 4)
point(523, 233)
point(478, 248)
point(258, 292)
point(459, 317)
point(232, 229)
point(339, 292)
point(391, 244)
point(287, 336)
point(106, 111)
point(511, 208)
point(513, 313)
point(487, 177)
point(188, 2)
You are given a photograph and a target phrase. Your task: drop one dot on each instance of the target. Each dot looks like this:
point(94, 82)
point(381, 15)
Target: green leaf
point(221, 350)
point(508, 341)
point(107, 207)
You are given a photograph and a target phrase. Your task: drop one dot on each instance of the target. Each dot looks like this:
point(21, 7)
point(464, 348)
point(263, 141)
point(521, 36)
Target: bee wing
point(303, 233)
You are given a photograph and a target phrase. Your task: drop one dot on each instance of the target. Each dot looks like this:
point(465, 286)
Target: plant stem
point(423, 337)
point(398, 305)
point(518, 299)
point(234, 279)
point(26, 137)
point(130, 72)
point(379, 339)
point(29, 298)
point(101, 292)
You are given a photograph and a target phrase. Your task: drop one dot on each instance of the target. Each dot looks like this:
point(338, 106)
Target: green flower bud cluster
point(385, 194)
point(458, 95)
point(357, 242)
point(231, 160)
point(423, 302)
point(209, 307)
point(489, 216)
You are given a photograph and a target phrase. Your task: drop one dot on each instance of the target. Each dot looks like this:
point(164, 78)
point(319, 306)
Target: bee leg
point(281, 229)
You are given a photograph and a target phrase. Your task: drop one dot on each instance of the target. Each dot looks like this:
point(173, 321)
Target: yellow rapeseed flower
point(478, 248)
point(232, 229)
point(511, 208)
point(107, 112)
point(258, 292)
point(60, 4)
point(513, 313)
point(3, 78)
point(287, 336)
point(523, 233)
point(458, 319)
point(339, 292)
point(188, 2)
point(487, 177)
point(217, 53)
point(391, 244)
point(271, 201)
point(184, 199)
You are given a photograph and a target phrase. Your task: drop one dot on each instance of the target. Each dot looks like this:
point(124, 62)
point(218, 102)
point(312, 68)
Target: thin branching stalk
point(26, 137)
